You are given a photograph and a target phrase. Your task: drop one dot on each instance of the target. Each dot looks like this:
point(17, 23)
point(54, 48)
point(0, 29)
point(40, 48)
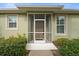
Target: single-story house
point(42, 24)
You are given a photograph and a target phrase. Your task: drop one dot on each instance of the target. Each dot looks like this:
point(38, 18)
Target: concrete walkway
point(40, 53)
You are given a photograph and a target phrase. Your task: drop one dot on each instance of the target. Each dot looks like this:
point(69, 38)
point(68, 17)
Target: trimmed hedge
point(68, 47)
point(13, 46)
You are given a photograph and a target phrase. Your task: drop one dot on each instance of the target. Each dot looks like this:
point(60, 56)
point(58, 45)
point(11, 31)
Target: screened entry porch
point(39, 28)
point(40, 32)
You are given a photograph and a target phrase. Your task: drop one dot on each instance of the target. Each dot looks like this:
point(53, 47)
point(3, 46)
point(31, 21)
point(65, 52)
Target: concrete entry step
point(41, 46)
point(40, 53)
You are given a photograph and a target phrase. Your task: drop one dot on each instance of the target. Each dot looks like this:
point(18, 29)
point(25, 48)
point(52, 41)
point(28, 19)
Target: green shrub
point(13, 46)
point(61, 41)
point(69, 47)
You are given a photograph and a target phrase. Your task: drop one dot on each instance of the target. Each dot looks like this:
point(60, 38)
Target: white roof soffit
point(38, 5)
point(30, 6)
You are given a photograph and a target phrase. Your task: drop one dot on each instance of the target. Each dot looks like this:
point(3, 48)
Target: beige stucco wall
point(2, 25)
point(73, 26)
point(22, 25)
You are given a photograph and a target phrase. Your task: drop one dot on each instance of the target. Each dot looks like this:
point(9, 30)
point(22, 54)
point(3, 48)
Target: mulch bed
point(27, 53)
point(56, 52)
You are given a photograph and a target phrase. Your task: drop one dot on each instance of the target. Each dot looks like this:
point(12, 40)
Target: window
point(60, 24)
point(12, 23)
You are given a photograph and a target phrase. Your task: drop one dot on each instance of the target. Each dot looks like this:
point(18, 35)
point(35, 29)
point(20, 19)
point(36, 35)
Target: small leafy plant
point(61, 41)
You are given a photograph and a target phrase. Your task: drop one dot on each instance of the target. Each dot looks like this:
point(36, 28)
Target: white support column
point(49, 22)
point(45, 28)
point(27, 29)
point(34, 26)
point(52, 26)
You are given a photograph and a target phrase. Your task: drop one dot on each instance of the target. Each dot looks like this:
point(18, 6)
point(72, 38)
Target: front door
point(40, 28)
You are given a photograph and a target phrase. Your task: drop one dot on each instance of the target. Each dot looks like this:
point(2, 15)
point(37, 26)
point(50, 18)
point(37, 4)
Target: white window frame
point(15, 28)
point(65, 25)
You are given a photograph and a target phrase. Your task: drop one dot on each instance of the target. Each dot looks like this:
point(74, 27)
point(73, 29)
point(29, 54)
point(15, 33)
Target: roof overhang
point(38, 11)
point(39, 7)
